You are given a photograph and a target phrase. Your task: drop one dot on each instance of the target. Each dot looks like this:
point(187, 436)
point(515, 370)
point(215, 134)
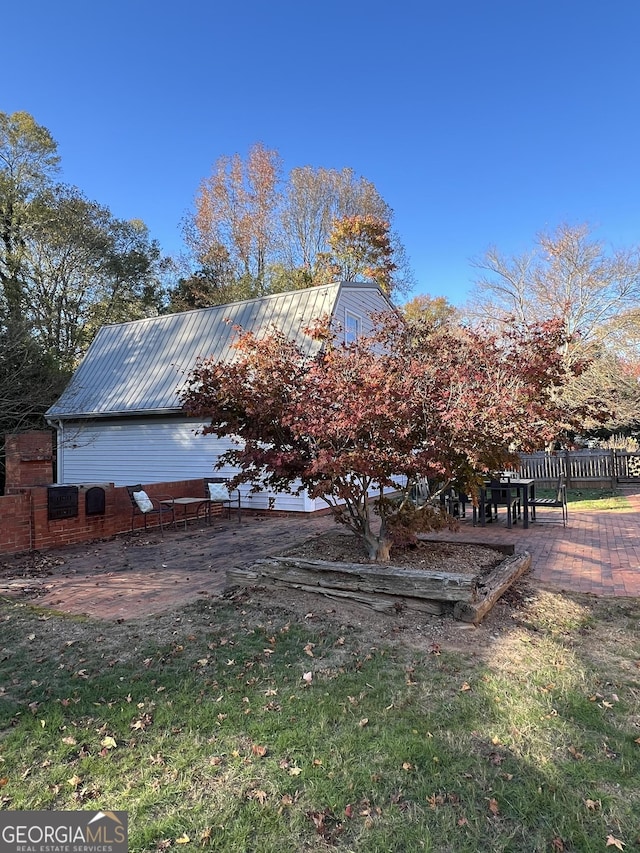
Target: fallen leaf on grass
point(308, 649)
point(593, 805)
point(465, 686)
point(184, 839)
point(614, 842)
point(493, 806)
point(108, 742)
point(307, 677)
point(259, 795)
point(573, 752)
point(74, 781)
point(258, 750)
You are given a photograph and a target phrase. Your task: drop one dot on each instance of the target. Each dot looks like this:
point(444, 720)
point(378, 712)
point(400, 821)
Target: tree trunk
point(378, 549)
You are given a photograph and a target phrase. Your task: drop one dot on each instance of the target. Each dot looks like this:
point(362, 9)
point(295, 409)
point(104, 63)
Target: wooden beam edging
point(494, 585)
point(384, 579)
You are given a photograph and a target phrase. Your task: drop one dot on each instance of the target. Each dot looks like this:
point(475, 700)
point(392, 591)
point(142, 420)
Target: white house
point(120, 421)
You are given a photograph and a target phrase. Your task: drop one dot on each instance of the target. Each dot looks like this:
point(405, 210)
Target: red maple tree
point(354, 422)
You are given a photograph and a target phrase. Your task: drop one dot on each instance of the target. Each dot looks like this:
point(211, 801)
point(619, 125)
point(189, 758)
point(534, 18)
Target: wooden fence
point(582, 468)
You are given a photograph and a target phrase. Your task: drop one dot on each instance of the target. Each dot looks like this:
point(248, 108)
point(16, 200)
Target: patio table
point(525, 488)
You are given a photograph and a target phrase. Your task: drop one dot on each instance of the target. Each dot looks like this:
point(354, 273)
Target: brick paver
point(144, 573)
point(598, 552)
point(138, 575)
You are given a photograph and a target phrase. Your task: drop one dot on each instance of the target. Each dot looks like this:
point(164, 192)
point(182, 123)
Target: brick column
point(29, 459)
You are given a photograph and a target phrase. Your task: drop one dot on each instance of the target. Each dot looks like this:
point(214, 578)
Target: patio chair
point(141, 504)
point(503, 495)
point(420, 493)
point(454, 501)
point(217, 490)
point(557, 502)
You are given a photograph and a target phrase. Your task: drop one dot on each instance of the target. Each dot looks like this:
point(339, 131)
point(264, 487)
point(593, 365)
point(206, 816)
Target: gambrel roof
point(140, 367)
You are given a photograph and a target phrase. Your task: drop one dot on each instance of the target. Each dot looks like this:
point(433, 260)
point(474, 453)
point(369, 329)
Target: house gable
point(140, 367)
point(120, 418)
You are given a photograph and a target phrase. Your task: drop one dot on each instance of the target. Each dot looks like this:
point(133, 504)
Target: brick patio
point(598, 552)
point(130, 576)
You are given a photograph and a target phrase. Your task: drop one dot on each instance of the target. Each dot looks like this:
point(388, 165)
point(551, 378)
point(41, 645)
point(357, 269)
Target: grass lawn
point(240, 727)
point(591, 499)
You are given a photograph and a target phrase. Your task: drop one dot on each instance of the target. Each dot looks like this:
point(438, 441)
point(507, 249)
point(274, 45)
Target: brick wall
point(25, 524)
point(15, 524)
point(24, 509)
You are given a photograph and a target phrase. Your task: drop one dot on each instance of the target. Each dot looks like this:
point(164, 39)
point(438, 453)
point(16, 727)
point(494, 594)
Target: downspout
point(59, 451)
point(59, 428)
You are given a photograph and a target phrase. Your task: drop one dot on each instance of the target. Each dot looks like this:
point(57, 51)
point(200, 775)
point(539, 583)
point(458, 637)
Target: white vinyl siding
point(359, 302)
point(147, 451)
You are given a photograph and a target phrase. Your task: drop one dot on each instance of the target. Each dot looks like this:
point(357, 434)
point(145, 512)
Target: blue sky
point(479, 123)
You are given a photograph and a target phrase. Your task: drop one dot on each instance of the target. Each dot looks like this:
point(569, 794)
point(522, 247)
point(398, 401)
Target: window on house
point(352, 327)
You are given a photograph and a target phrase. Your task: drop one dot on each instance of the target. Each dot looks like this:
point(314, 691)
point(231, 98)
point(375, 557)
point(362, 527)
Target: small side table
point(186, 503)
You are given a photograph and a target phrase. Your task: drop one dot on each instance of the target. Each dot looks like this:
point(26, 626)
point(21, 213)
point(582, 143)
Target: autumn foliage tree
point(254, 231)
point(348, 423)
point(236, 208)
point(595, 290)
point(360, 248)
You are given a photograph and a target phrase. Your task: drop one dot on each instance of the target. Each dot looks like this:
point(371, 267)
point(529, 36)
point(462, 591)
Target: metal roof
point(141, 366)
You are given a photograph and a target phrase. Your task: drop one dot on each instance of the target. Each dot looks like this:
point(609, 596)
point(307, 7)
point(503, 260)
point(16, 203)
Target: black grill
point(62, 502)
point(94, 501)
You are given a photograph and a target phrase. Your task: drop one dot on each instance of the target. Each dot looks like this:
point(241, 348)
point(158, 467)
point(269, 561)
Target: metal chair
point(145, 506)
point(454, 501)
point(217, 491)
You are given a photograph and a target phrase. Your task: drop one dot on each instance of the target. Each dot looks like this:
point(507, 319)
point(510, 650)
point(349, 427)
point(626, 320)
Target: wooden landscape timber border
point(388, 589)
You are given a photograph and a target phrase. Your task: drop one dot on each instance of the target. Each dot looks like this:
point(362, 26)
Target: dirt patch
point(337, 546)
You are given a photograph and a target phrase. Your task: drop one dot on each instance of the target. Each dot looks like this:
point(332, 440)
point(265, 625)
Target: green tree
point(28, 159)
point(82, 268)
